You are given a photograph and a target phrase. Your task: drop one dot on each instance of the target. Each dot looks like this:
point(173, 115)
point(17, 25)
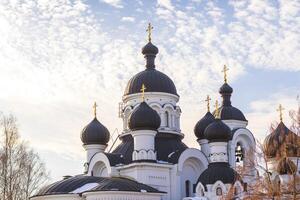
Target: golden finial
point(225, 69)
point(217, 109)
point(143, 92)
point(149, 30)
point(280, 109)
point(95, 109)
point(207, 100)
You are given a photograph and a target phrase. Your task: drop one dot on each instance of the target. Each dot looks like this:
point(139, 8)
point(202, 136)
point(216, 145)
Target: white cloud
point(128, 19)
point(58, 60)
point(114, 3)
point(165, 4)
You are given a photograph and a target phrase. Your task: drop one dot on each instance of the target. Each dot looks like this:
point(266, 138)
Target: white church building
point(151, 162)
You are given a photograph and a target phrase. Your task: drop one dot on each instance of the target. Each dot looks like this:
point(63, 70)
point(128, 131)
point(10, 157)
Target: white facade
point(167, 177)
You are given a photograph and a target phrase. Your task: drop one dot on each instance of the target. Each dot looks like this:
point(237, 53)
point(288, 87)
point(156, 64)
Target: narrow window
point(167, 119)
point(219, 191)
point(187, 188)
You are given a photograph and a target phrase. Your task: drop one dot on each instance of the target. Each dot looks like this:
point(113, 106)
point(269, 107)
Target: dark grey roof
point(165, 144)
point(227, 111)
point(95, 133)
point(219, 171)
point(202, 124)
point(278, 139)
point(154, 80)
point(217, 131)
point(67, 186)
point(144, 118)
point(115, 158)
point(149, 49)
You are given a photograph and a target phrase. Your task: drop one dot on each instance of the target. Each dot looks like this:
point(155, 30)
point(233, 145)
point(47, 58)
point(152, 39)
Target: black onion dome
point(67, 186)
point(227, 111)
point(95, 133)
point(225, 89)
point(218, 172)
point(144, 118)
point(282, 140)
point(217, 132)
point(202, 124)
point(149, 49)
point(154, 80)
point(286, 166)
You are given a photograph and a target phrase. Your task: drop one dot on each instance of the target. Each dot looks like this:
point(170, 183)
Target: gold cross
point(280, 109)
point(143, 92)
point(225, 69)
point(149, 30)
point(207, 100)
point(95, 109)
point(217, 109)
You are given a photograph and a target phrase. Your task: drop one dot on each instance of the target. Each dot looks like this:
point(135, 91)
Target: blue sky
point(57, 57)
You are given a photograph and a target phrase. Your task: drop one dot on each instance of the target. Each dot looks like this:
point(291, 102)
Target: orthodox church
point(151, 162)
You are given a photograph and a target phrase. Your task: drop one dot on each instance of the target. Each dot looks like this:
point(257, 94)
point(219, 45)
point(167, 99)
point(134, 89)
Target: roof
point(154, 80)
point(227, 111)
point(219, 171)
point(165, 145)
point(282, 140)
point(144, 118)
point(202, 124)
point(217, 131)
point(95, 133)
point(78, 184)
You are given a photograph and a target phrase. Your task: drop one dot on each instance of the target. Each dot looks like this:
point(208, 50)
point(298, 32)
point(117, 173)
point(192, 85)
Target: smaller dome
point(217, 132)
point(286, 166)
point(218, 172)
point(144, 118)
point(280, 141)
point(202, 124)
point(227, 111)
point(225, 89)
point(149, 49)
point(95, 133)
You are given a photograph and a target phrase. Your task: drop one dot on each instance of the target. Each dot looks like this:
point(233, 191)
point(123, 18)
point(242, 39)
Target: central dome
point(154, 80)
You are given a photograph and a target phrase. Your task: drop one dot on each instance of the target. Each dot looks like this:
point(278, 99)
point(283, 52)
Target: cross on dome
point(143, 91)
point(208, 103)
point(280, 109)
point(149, 30)
point(225, 69)
point(95, 109)
point(217, 109)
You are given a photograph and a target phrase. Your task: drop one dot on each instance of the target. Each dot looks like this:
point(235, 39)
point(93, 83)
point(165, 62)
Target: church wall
point(165, 105)
point(119, 195)
point(59, 197)
point(152, 174)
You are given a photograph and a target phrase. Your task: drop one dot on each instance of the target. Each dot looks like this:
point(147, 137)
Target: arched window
point(187, 188)
point(239, 155)
point(167, 118)
point(219, 191)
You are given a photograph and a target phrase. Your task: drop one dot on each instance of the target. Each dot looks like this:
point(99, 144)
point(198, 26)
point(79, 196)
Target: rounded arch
point(155, 105)
point(218, 185)
point(243, 139)
point(192, 153)
point(100, 163)
point(200, 190)
point(191, 164)
point(126, 113)
point(168, 106)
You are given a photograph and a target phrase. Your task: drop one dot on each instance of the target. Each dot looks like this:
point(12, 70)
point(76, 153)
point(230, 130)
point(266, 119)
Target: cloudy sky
point(57, 57)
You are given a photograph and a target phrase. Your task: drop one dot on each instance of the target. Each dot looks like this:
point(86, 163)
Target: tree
point(21, 169)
